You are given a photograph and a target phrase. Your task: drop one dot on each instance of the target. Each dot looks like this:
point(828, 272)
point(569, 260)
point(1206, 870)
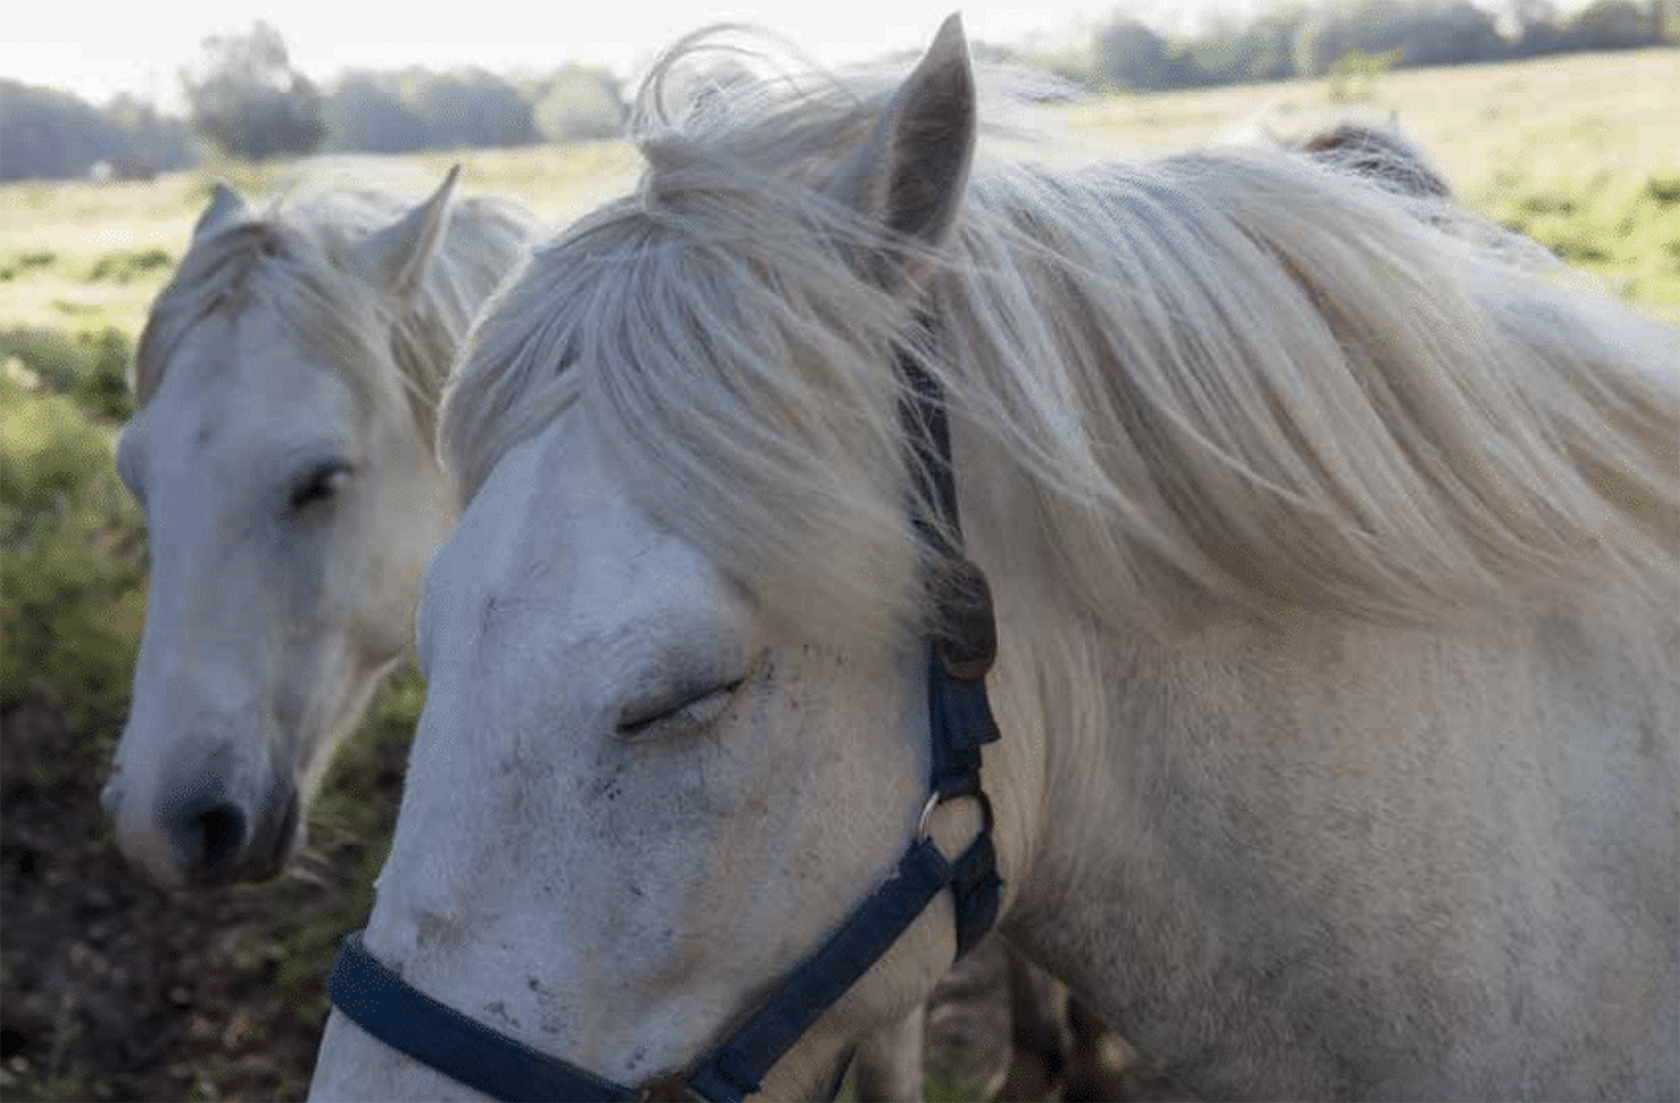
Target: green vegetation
point(1624, 229)
point(89, 367)
point(18, 265)
point(71, 555)
point(1353, 76)
point(125, 267)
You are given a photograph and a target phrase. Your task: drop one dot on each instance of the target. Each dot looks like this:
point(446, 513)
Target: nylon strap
point(735, 1068)
point(433, 1033)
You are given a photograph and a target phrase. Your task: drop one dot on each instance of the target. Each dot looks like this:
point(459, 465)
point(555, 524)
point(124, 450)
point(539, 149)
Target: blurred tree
point(148, 138)
point(1533, 27)
point(579, 102)
point(1665, 22)
point(366, 112)
point(469, 108)
point(48, 133)
point(1426, 32)
point(248, 101)
point(1128, 55)
point(1232, 50)
point(1610, 25)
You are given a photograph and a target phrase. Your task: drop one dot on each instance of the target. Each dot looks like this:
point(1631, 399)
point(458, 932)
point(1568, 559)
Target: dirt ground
point(112, 989)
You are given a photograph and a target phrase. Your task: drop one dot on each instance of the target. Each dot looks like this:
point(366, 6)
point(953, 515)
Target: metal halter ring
point(924, 822)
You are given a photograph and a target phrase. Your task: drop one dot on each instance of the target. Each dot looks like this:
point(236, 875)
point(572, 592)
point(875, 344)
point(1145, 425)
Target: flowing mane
point(1235, 376)
point(297, 257)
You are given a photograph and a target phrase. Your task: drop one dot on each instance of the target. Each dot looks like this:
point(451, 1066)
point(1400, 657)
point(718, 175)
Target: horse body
point(281, 448)
point(1333, 552)
point(1370, 862)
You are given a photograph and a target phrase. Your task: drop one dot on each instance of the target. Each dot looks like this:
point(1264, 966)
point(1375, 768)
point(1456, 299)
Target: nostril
point(224, 838)
point(208, 839)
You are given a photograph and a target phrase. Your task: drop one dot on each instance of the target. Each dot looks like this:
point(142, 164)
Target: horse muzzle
point(202, 833)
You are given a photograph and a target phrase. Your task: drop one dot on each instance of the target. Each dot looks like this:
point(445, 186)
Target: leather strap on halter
point(960, 652)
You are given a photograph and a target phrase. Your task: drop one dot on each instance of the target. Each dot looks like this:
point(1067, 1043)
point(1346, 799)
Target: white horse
point(1333, 552)
point(286, 385)
point(1049, 1052)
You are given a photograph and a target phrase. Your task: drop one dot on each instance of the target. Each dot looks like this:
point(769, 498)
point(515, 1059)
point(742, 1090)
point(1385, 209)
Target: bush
point(71, 558)
point(91, 368)
point(1353, 76)
point(126, 267)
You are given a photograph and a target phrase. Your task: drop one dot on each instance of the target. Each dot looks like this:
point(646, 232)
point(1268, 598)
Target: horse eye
point(319, 484)
point(692, 711)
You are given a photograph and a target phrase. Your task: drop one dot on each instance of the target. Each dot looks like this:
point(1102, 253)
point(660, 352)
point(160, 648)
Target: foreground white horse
point(282, 450)
point(1334, 558)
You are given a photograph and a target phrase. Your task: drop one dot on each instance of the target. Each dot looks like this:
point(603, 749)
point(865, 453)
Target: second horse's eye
point(319, 484)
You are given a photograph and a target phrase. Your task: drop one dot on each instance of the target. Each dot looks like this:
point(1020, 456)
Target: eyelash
point(696, 711)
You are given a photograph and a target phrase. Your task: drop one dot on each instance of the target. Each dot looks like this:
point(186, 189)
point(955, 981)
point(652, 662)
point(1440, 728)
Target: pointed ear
point(393, 258)
point(910, 173)
point(227, 208)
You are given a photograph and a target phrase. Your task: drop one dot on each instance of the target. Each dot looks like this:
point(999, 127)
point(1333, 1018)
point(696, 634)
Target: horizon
point(105, 50)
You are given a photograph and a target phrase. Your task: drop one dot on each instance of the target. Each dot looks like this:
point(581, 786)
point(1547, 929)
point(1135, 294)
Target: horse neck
point(1091, 716)
point(1054, 779)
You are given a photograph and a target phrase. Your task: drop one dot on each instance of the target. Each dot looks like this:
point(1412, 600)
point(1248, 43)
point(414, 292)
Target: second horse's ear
point(226, 208)
point(394, 257)
point(909, 175)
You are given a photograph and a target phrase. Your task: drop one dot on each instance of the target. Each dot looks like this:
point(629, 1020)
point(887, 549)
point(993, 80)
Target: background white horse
point(1334, 553)
point(282, 450)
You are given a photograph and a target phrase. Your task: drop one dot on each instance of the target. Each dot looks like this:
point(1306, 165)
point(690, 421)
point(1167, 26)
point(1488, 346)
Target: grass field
point(1581, 152)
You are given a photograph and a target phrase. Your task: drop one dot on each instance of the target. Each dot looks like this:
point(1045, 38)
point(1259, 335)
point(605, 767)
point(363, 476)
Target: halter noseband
point(960, 653)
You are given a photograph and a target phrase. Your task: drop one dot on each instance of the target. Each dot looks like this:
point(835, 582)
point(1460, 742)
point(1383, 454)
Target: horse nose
point(208, 834)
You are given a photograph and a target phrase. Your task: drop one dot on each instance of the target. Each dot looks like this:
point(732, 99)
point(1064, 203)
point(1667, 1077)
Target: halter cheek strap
point(960, 653)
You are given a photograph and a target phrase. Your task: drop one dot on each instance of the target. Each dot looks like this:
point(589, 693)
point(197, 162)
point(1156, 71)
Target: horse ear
point(394, 257)
point(910, 173)
point(226, 208)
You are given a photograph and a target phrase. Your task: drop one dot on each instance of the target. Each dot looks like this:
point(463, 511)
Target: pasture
point(116, 990)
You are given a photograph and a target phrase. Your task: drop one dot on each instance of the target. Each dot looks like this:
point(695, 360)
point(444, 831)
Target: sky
point(99, 48)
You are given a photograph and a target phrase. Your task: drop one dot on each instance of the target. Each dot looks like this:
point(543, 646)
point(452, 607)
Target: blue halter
point(960, 718)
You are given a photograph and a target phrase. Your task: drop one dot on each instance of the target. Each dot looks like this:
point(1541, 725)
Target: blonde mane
point(1235, 376)
point(297, 258)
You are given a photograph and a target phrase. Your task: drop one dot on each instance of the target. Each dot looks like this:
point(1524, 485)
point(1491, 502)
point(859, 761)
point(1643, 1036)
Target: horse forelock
point(1234, 377)
point(297, 260)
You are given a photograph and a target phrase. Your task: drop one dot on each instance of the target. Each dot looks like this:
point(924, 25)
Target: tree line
point(1301, 40)
point(246, 100)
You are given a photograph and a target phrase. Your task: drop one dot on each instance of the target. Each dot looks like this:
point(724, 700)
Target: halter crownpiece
point(960, 651)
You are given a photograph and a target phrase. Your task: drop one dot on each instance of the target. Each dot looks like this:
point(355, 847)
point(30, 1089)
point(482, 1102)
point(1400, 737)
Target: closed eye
point(688, 711)
point(318, 484)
